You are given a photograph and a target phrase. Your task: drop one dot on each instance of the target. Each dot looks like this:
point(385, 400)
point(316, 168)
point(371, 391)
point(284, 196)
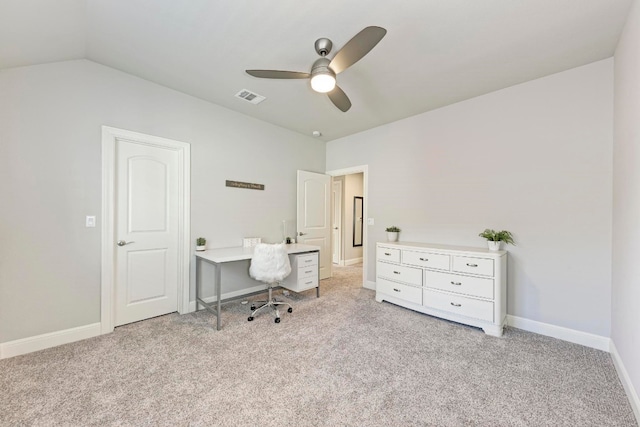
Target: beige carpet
point(340, 360)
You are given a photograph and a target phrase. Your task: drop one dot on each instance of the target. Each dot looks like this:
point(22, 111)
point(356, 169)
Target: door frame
point(333, 185)
point(109, 137)
point(364, 169)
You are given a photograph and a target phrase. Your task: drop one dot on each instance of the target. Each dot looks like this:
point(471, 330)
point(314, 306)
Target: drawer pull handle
point(308, 260)
point(472, 265)
point(387, 254)
point(456, 305)
point(310, 271)
point(308, 283)
point(396, 272)
point(424, 259)
point(397, 290)
point(457, 283)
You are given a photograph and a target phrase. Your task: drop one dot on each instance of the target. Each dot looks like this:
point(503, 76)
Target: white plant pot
point(201, 248)
point(392, 236)
point(494, 246)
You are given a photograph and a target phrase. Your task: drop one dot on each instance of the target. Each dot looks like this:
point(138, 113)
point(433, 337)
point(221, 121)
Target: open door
point(314, 215)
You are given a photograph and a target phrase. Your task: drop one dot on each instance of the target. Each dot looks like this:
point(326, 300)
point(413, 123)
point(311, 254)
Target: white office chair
point(270, 264)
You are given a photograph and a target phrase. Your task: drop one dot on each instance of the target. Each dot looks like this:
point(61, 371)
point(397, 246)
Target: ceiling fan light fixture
point(323, 79)
point(323, 82)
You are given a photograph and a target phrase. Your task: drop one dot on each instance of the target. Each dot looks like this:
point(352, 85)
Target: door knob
point(300, 233)
point(122, 243)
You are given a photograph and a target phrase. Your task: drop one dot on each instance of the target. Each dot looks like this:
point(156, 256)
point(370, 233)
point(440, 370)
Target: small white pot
point(494, 246)
point(392, 236)
point(201, 248)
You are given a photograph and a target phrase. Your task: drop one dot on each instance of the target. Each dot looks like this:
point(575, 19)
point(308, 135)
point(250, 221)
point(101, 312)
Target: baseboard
point(368, 284)
point(52, 339)
point(632, 395)
point(353, 261)
point(230, 295)
point(562, 333)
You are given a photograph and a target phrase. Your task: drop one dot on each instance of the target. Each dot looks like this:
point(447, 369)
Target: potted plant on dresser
point(495, 238)
point(201, 244)
point(392, 233)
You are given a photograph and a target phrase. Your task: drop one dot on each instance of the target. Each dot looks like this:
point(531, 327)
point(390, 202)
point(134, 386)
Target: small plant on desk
point(201, 244)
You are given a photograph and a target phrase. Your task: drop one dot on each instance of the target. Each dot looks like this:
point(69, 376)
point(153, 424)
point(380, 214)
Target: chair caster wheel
point(290, 310)
point(253, 307)
point(250, 318)
point(277, 320)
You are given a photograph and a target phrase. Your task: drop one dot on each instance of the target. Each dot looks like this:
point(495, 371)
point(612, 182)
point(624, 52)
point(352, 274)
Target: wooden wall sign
point(247, 185)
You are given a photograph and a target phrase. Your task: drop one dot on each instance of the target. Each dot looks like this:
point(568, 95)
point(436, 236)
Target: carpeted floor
point(340, 360)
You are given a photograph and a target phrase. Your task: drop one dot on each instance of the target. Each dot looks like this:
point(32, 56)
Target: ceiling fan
point(323, 71)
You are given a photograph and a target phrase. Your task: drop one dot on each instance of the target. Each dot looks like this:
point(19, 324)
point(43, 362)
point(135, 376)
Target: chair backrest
point(270, 263)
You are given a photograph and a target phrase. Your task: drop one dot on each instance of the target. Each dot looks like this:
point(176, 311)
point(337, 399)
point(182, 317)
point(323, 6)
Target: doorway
point(350, 218)
point(145, 227)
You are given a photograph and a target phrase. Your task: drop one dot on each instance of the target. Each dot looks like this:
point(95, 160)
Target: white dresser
point(465, 285)
point(304, 272)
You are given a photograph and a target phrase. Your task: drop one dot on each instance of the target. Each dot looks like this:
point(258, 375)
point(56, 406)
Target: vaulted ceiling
point(435, 52)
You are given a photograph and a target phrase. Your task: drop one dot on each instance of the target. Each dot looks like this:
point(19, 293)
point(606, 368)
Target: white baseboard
point(369, 285)
point(52, 339)
point(352, 261)
point(571, 335)
point(228, 295)
point(634, 400)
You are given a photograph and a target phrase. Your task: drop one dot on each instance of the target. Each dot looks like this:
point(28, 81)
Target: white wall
point(535, 159)
point(50, 178)
point(625, 322)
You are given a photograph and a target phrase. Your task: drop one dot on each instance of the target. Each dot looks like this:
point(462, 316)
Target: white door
point(314, 215)
point(146, 231)
point(337, 220)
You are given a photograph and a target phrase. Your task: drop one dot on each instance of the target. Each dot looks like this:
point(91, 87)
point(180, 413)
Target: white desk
point(216, 257)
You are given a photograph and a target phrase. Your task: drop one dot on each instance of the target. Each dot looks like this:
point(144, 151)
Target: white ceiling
point(435, 53)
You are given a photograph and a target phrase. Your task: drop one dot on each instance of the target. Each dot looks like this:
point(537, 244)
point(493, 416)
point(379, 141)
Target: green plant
point(498, 236)
point(201, 241)
point(393, 229)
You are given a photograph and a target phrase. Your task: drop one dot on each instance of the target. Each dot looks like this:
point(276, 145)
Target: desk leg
point(218, 295)
point(318, 288)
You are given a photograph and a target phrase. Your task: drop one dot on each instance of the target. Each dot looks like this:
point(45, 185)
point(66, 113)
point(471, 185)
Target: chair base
point(270, 302)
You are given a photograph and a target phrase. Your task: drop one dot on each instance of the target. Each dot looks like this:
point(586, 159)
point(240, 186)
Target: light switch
point(90, 221)
point(370, 221)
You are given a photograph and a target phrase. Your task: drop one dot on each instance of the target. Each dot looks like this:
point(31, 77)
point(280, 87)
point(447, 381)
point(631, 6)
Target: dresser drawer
point(400, 273)
point(474, 286)
point(463, 306)
point(308, 271)
point(426, 259)
point(388, 254)
point(480, 266)
point(398, 290)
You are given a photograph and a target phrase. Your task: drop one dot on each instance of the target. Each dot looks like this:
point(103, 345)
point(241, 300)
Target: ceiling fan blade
point(276, 74)
point(339, 99)
point(356, 48)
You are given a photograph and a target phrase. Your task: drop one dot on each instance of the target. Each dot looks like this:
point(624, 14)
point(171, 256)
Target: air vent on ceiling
point(249, 96)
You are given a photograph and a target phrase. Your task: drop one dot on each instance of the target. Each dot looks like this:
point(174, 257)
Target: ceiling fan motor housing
point(321, 66)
